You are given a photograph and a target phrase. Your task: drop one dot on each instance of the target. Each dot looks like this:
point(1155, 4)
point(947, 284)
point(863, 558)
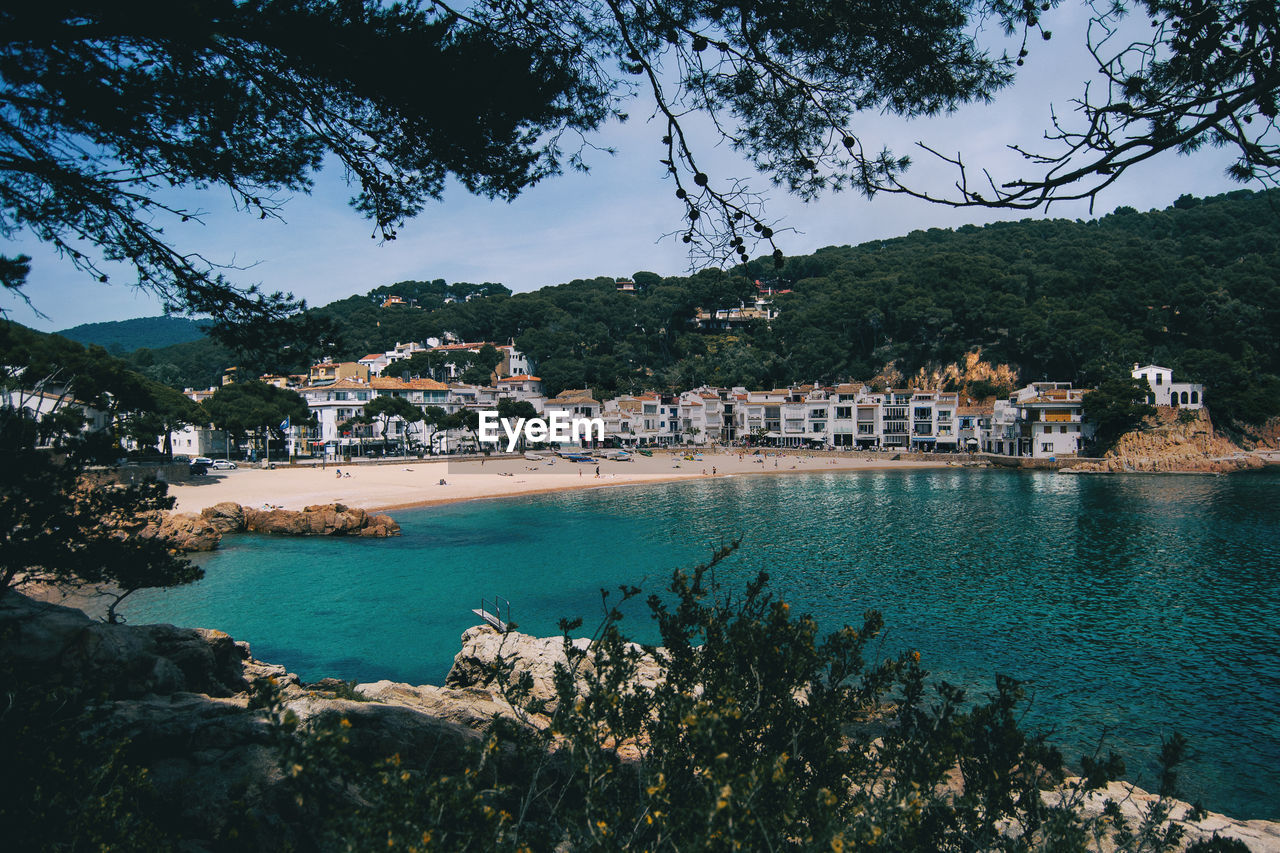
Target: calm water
point(1135, 606)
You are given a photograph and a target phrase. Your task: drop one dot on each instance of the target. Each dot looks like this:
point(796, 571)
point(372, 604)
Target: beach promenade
point(418, 483)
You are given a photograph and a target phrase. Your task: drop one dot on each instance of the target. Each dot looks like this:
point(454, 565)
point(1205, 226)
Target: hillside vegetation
point(1195, 287)
point(128, 335)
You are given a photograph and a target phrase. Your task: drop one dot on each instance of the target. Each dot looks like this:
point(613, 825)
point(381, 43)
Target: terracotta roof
point(691, 402)
point(388, 383)
point(340, 385)
point(452, 347)
point(520, 377)
point(373, 355)
point(381, 383)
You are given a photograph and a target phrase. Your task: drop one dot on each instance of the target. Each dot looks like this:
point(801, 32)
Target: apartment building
point(1044, 420)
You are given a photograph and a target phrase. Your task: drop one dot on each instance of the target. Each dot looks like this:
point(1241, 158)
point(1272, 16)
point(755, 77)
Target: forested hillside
point(1195, 287)
point(128, 335)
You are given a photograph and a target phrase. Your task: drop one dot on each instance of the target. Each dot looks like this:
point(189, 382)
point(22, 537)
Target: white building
point(1166, 392)
point(1043, 420)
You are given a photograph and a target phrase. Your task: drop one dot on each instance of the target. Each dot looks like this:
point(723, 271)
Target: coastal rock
point(319, 520)
point(486, 650)
point(184, 531)
point(226, 517)
point(62, 646)
point(1260, 836)
point(472, 707)
point(1169, 444)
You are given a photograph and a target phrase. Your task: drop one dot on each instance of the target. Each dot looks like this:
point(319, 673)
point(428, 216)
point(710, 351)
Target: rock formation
point(187, 531)
point(1167, 443)
point(483, 646)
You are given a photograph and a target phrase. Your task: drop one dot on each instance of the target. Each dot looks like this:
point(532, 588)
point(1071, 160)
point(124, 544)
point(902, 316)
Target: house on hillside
point(331, 371)
point(1166, 392)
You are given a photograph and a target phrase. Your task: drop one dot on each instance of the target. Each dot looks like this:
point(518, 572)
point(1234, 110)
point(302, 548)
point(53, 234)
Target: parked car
point(223, 465)
point(199, 469)
point(202, 460)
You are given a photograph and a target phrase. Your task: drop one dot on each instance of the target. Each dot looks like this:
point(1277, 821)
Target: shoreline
point(416, 483)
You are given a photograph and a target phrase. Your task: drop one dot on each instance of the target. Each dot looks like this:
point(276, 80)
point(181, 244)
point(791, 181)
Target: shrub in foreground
point(760, 734)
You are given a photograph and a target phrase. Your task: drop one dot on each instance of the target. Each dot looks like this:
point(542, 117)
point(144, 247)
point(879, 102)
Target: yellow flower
point(345, 723)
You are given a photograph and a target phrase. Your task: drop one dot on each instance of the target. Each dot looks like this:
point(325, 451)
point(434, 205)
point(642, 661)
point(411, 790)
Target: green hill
point(1195, 287)
point(121, 336)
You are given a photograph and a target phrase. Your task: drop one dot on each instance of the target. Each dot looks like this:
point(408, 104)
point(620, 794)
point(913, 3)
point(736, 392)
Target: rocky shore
point(203, 531)
point(1172, 443)
point(182, 697)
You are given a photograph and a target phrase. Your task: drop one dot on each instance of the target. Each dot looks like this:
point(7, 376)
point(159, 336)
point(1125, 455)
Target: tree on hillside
point(255, 408)
point(1118, 405)
point(386, 409)
point(106, 105)
point(480, 365)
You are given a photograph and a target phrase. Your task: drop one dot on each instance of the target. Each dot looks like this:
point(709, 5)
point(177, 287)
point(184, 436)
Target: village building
point(1166, 392)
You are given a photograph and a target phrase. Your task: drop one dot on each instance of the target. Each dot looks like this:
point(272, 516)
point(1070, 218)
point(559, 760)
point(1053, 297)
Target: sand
point(414, 483)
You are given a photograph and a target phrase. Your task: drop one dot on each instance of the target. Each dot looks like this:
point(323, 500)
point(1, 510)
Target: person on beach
point(338, 473)
point(597, 472)
point(713, 470)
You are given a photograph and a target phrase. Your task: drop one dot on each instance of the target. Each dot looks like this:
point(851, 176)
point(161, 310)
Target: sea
point(1133, 607)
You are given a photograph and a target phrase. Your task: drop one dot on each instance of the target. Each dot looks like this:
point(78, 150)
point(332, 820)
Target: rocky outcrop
point(184, 531)
point(1168, 443)
point(320, 520)
point(483, 647)
point(225, 517)
point(188, 532)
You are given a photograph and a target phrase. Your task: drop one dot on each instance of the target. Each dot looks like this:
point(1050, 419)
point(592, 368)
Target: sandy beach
point(418, 483)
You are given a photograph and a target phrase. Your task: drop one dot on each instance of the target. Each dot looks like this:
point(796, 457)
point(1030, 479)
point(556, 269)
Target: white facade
point(1166, 392)
point(1044, 420)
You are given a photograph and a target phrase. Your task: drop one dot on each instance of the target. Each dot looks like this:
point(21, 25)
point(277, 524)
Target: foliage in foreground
point(761, 735)
point(64, 788)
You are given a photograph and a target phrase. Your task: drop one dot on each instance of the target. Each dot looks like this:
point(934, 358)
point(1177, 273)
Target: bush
point(760, 734)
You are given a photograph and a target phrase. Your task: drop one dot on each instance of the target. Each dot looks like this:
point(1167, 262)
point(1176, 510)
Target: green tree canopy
point(254, 407)
point(1117, 406)
point(385, 409)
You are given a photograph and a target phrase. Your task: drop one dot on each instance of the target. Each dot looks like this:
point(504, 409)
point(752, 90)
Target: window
point(1046, 447)
point(844, 412)
point(1184, 398)
point(1195, 397)
point(1159, 378)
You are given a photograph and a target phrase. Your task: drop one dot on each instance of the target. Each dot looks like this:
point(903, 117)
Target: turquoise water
point(1135, 606)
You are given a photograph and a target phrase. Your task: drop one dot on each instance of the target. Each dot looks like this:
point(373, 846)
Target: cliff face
point(1168, 444)
point(182, 698)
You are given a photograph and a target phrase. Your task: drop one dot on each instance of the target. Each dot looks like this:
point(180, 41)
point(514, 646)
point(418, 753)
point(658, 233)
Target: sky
point(611, 221)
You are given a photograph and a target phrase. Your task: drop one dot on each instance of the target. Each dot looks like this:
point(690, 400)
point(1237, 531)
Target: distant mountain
point(121, 336)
